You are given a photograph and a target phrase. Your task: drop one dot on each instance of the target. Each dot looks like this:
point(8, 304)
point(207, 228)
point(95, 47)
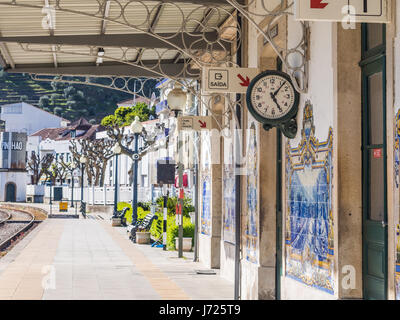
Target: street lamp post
point(117, 151)
point(149, 140)
point(50, 202)
point(73, 167)
point(83, 160)
point(165, 191)
point(177, 100)
point(136, 128)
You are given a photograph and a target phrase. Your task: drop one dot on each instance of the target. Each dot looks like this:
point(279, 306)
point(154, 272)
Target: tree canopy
point(124, 116)
point(75, 100)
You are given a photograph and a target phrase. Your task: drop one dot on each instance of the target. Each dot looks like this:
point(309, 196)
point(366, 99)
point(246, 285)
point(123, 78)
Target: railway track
point(12, 224)
point(4, 216)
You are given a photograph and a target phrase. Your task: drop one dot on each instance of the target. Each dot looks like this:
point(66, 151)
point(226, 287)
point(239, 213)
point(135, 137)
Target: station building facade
point(319, 214)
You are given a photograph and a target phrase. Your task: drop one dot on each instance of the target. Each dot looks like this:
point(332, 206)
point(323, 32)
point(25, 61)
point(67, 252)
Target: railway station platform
point(88, 259)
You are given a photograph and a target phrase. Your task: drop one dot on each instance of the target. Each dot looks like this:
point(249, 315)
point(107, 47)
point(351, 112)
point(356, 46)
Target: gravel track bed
point(20, 216)
point(3, 215)
point(9, 230)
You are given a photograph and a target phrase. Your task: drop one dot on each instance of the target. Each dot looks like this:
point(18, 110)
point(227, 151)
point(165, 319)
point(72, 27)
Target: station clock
point(273, 100)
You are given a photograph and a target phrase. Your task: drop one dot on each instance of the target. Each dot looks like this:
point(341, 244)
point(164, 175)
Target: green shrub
point(141, 214)
point(145, 205)
point(173, 231)
point(128, 215)
point(171, 205)
point(156, 228)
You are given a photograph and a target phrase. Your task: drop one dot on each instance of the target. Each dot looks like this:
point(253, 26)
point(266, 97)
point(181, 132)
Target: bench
point(159, 227)
point(121, 215)
point(141, 225)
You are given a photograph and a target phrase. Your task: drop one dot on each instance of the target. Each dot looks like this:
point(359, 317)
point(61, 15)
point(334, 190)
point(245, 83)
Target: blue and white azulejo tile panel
point(309, 221)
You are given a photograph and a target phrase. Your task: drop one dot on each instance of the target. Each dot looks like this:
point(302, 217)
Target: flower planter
point(143, 237)
point(116, 222)
point(187, 244)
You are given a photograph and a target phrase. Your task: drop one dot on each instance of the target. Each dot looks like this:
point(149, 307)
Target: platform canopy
point(115, 38)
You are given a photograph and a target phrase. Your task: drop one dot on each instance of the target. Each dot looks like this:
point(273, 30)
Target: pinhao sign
point(13, 150)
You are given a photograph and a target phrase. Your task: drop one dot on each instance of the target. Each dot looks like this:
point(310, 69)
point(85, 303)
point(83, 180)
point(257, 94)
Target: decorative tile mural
point(397, 284)
point(309, 222)
point(229, 183)
point(205, 217)
point(397, 151)
point(206, 210)
point(397, 181)
point(251, 223)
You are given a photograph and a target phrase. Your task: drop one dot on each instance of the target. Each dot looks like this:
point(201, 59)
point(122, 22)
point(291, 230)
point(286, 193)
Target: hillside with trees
point(70, 101)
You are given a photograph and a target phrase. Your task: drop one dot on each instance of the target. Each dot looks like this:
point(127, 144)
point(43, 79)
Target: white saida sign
point(196, 123)
point(227, 80)
point(377, 11)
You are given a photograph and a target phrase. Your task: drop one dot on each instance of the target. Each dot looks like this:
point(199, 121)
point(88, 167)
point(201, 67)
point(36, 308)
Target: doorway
point(11, 192)
point(374, 164)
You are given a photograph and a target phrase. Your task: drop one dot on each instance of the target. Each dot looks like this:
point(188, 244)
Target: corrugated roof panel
point(19, 21)
point(136, 16)
point(71, 54)
point(21, 56)
point(71, 24)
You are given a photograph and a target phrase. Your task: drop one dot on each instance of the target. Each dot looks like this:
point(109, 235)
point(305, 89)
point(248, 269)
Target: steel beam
point(83, 69)
point(6, 54)
point(51, 31)
point(3, 62)
point(206, 2)
point(120, 40)
point(106, 13)
point(153, 24)
point(203, 22)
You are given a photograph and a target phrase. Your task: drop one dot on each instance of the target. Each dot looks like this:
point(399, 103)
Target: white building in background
point(146, 166)
point(132, 102)
point(57, 141)
point(13, 177)
point(26, 118)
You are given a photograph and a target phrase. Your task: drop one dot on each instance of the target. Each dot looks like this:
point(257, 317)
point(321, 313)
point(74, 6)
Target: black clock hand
point(277, 91)
point(276, 101)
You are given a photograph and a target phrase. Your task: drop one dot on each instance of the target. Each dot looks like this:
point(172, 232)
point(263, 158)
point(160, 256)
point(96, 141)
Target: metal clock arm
point(276, 101)
point(277, 91)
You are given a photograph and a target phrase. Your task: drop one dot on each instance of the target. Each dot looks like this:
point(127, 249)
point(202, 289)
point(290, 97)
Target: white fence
point(105, 195)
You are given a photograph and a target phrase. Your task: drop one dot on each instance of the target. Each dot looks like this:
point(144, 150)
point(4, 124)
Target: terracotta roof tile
point(59, 134)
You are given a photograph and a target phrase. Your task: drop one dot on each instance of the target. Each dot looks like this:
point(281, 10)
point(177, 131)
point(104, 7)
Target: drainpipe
point(237, 182)
point(196, 191)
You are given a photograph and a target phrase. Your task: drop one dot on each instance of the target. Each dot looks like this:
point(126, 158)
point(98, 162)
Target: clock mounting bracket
point(289, 128)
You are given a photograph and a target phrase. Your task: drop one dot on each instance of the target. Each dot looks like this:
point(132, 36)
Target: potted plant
point(187, 244)
point(116, 222)
point(142, 237)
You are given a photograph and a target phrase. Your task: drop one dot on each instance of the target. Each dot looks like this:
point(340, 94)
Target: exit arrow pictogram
point(203, 124)
point(317, 4)
point(245, 82)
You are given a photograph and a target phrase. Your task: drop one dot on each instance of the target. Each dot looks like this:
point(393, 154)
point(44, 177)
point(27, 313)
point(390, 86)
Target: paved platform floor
point(65, 259)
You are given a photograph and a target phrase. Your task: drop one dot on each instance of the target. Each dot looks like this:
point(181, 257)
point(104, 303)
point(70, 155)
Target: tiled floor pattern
point(89, 259)
point(24, 277)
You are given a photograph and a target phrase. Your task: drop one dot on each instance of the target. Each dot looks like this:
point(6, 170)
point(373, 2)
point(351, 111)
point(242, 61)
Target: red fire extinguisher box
point(185, 181)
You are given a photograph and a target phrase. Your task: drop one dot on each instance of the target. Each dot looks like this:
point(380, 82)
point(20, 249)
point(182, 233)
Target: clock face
point(272, 96)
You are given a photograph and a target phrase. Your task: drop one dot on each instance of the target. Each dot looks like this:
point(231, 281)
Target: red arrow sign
point(317, 4)
point(203, 124)
point(245, 82)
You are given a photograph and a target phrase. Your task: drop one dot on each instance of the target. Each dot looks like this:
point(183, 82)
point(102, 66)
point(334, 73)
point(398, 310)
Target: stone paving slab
point(90, 260)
